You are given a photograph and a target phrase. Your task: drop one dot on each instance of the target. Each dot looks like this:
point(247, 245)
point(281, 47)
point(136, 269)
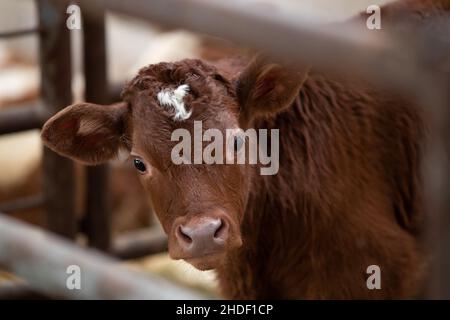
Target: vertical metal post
point(444, 253)
point(56, 90)
point(437, 185)
point(98, 219)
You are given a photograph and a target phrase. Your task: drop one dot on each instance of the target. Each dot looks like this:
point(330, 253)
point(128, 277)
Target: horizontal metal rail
point(17, 118)
point(378, 58)
point(24, 203)
point(139, 243)
point(18, 33)
point(42, 259)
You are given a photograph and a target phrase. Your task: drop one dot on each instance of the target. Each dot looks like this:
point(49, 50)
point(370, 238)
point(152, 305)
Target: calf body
point(347, 196)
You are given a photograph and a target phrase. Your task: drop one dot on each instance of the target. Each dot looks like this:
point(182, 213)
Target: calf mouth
point(208, 259)
point(206, 262)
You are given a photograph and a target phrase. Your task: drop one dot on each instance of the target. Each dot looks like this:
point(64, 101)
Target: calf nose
point(203, 237)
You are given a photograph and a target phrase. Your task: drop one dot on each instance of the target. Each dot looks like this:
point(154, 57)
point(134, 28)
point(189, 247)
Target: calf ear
point(266, 88)
point(86, 132)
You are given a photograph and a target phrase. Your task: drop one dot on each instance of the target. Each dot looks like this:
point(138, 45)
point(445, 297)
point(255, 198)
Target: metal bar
point(437, 189)
point(56, 91)
point(23, 203)
point(42, 259)
point(98, 207)
point(21, 117)
point(18, 33)
point(136, 244)
point(387, 62)
point(98, 203)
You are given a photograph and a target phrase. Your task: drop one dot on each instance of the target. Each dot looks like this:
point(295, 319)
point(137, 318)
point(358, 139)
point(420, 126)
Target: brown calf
point(347, 194)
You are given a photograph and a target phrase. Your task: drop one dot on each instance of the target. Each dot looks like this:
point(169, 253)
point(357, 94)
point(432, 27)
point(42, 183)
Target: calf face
point(199, 205)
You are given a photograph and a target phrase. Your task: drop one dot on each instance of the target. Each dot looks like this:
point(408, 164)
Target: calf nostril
point(183, 234)
point(221, 230)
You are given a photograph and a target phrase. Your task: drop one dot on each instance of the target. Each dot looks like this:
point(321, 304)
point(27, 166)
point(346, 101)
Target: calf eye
point(139, 165)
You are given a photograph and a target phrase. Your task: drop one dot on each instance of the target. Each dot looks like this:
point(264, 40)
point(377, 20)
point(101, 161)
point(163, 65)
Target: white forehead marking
point(174, 99)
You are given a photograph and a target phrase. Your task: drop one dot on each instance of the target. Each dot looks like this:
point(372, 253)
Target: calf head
point(199, 205)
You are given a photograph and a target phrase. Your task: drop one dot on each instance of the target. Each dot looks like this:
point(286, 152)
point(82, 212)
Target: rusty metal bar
point(56, 91)
point(29, 202)
point(42, 259)
point(17, 118)
point(136, 244)
point(98, 203)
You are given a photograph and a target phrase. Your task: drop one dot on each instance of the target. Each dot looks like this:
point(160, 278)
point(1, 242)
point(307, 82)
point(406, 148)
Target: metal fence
point(43, 259)
point(404, 65)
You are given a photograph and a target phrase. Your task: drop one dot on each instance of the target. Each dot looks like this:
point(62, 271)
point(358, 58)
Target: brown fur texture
point(348, 194)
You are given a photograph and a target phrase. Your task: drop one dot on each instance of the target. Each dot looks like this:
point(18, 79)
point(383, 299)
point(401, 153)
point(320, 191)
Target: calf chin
point(208, 262)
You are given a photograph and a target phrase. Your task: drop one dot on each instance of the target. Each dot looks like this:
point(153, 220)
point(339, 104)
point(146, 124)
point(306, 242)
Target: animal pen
point(41, 258)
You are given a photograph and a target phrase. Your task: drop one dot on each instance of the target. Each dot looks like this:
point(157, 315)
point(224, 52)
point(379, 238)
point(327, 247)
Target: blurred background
point(131, 44)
